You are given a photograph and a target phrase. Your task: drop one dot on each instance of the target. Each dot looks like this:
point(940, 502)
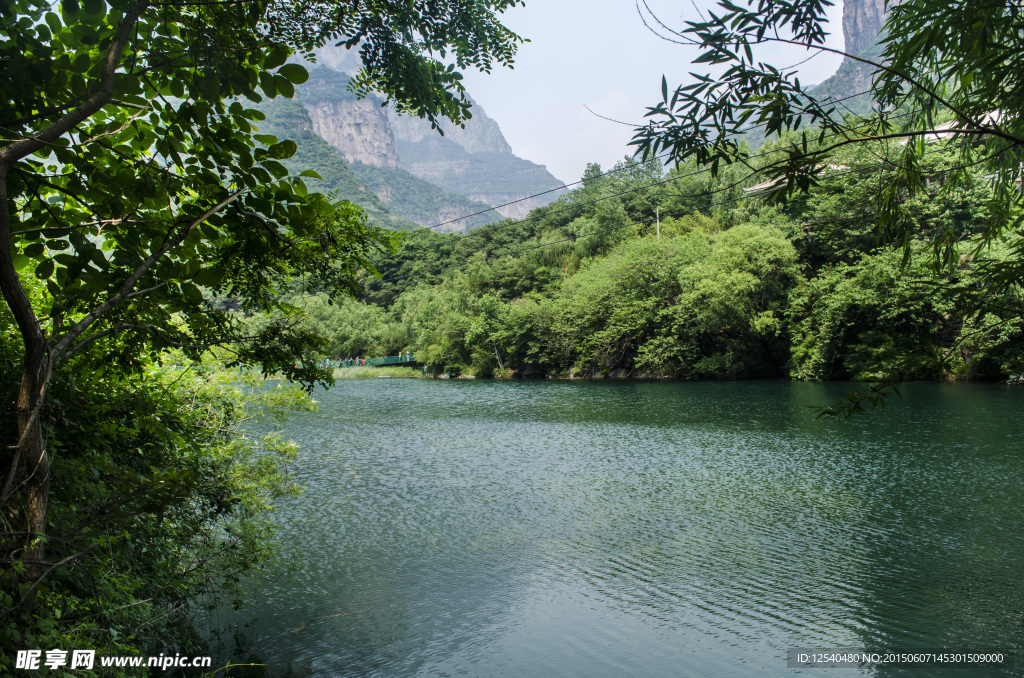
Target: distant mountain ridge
point(475, 161)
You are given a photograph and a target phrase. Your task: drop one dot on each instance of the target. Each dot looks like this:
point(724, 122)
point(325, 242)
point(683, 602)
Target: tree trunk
point(35, 464)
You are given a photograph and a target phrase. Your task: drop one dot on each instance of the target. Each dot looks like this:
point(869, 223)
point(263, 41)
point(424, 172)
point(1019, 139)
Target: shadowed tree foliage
point(135, 184)
point(947, 74)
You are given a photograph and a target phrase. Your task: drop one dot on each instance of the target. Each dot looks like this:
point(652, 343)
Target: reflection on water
point(605, 529)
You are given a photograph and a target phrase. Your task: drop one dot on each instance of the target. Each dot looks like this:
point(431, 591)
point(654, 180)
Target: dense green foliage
point(135, 184)
point(732, 288)
point(944, 72)
point(159, 502)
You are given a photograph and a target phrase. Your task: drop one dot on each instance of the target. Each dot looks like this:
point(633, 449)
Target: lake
point(554, 528)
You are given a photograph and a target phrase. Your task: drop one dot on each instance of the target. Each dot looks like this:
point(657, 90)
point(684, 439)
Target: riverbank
point(362, 372)
point(405, 372)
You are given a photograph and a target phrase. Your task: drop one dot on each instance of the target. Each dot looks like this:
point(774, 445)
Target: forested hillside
point(392, 197)
point(734, 287)
point(471, 159)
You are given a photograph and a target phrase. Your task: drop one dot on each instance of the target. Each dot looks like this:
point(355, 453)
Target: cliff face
point(495, 178)
point(474, 162)
point(862, 22)
point(480, 135)
point(357, 129)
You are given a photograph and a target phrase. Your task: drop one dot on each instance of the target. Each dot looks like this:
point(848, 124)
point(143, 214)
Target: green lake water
point(477, 528)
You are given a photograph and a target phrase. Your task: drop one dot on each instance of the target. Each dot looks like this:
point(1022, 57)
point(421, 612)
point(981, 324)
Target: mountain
point(356, 133)
point(862, 24)
point(288, 119)
point(474, 160)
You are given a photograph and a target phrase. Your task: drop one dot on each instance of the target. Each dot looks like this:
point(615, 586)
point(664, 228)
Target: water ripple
point(600, 529)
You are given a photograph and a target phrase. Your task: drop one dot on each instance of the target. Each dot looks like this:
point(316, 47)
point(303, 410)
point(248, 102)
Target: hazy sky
point(598, 53)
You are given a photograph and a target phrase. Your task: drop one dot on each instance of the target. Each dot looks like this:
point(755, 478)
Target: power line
point(598, 176)
point(481, 231)
point(490, 229)
point(574, 238)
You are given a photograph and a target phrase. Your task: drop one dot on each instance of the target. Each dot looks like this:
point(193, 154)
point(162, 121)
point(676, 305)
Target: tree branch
point(74, 556)
point(43, 113)
point(19, 149)
point(62, 344)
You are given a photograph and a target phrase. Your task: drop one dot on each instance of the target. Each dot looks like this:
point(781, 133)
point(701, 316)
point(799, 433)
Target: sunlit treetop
point(948, 71)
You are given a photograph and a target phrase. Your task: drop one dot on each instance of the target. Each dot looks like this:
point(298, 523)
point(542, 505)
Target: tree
point(947, 71)
point(948, 74)
point(134, 185)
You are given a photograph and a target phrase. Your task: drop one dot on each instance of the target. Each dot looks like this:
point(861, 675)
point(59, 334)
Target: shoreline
point(403, 372)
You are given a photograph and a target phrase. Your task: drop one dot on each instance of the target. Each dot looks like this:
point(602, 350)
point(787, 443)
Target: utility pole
point(500, 364)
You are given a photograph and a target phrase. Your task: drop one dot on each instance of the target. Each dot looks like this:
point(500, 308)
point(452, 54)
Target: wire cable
point(603, 174)
point(506, 224)
point(574, 238)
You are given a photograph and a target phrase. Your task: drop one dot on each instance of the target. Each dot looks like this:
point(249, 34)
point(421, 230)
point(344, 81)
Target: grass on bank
point(385, 371)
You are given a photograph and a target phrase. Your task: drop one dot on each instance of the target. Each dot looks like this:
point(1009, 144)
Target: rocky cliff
point(358, 128)
point(474, 161)
point(862, 22)
point(480, 134)
point(349, 143)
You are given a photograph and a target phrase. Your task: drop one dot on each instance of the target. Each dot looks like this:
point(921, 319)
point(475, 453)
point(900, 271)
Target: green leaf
point(191, 292)
point(34, 250)
point(53, 21)
point(267, 84)
point(283, 149)
point(191, 267)
point(310, 173)
point(277, 169)
point(276, 56)
point(209, 276)
point(284, 87)
point(45, 269)
point(295, 73)
point(81, 63)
